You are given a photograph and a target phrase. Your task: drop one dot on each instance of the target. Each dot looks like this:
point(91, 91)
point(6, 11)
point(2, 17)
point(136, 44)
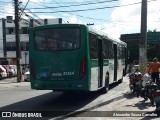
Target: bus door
point(115, 61)
point(100, 63)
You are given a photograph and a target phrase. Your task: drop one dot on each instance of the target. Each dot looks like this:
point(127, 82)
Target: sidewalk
point(9, 83)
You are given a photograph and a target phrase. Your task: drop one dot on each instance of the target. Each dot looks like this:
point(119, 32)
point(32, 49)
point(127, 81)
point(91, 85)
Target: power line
point(64, 8)
point(32, 14)
point(70, 2)
point(81, 10)
point(68, 8)
point(76, 14)
point(30, 17)
point(51, 9)
point(77, 4)
point(24, 8)
point(42, 21)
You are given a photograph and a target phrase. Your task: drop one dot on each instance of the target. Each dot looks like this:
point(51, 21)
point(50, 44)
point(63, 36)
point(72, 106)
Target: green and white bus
point(74, 57)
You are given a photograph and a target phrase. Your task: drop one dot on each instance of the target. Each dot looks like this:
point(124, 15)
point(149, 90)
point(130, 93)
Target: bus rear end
point(58, 57)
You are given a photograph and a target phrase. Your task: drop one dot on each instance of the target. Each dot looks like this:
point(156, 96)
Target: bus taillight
point(83, 67)
point(32, 69)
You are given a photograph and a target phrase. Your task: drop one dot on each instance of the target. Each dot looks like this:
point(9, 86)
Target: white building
point(24, 37)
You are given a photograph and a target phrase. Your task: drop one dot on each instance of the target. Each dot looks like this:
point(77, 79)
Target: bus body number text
point(68, 73)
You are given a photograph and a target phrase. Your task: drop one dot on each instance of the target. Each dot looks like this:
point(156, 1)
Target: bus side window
point(120, 55)
point(110, 49)
point(93, 46)
point(106, 49)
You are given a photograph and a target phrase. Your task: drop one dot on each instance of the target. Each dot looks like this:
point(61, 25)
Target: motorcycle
point(157, 100)
point(135, 82)
point(148, 91)
point(146, 82)
point(156, 96)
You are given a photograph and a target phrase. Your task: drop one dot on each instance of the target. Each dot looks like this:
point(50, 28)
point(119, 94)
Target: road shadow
point(89, 112)
point(52, 104)
point(129, 95)
point(58, 104)
point(52, 101)
point(141, 105)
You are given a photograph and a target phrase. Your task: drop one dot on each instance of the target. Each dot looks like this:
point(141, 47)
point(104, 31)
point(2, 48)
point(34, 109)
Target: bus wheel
point(106, 87)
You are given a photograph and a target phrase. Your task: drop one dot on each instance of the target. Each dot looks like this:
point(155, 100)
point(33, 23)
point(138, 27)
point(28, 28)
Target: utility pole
point(4, 37)
point(143, 38)
point(18, 51)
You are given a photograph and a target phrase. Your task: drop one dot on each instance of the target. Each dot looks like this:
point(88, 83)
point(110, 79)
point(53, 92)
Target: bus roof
point(50, 25)
point(104, 35)
point(92, 30)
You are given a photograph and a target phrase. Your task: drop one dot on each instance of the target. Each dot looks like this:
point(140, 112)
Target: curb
point(9, 83)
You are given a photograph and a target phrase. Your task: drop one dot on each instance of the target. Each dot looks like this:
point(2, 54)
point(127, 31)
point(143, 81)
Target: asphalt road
point(82, 105)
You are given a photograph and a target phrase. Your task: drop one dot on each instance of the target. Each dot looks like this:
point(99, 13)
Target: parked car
point(3, 72)
point(10, 72)
point(14, 69)
point(27, 76)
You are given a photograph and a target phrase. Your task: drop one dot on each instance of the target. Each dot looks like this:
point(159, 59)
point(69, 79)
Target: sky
point(114, 17)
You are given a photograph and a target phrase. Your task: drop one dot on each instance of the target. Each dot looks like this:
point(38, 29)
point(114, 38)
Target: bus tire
point(106, 87)
point(124, 72)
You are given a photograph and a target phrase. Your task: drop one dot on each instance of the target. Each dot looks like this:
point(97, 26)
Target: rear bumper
point(3, 75)
point(60, 85)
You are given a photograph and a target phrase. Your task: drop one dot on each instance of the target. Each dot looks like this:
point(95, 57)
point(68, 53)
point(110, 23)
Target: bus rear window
point(57, 39)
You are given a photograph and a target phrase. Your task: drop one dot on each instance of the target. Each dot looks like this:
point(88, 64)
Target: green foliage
point(153, 50)
point(133, 53)
point(152, 31)
point(153, 47)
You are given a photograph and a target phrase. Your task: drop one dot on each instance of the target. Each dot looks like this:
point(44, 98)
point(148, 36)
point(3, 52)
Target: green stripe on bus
point(105, 62)
point(94, 63)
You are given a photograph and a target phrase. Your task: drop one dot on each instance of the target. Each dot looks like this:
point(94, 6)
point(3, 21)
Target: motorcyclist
point(146, 79)
point(144, 90)
point(149, 88)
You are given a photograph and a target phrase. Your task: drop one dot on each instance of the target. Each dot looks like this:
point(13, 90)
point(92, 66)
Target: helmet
point(155, 59)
